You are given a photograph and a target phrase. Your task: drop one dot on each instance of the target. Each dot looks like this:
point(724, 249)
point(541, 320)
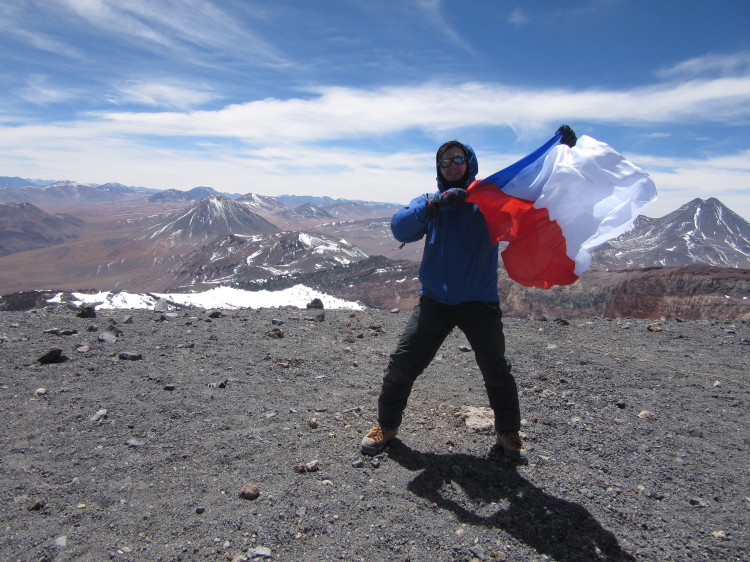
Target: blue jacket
point(459, 263)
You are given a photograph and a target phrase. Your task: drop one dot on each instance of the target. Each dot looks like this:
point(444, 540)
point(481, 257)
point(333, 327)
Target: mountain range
point(701, 231)
point(26, 227)
point(68, 235)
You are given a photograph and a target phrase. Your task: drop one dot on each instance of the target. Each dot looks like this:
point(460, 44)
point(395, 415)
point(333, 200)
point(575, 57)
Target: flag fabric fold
point(557, 204)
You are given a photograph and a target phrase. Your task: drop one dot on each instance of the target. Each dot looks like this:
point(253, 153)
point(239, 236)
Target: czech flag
point(557, 204)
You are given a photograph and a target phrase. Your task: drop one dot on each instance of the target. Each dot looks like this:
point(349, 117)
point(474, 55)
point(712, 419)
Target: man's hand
point(568, 135)
point(452, 198)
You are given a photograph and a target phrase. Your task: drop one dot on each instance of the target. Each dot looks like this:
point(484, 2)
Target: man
point(459, 289)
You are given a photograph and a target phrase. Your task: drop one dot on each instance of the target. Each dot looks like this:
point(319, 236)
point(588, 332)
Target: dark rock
point(315, 303)
point(250, 492)
point(37, 505)
point(87, 312)
point(319, 317)
point(54, 355)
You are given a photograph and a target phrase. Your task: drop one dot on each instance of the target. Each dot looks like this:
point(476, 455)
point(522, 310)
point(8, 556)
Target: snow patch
point(219, 297)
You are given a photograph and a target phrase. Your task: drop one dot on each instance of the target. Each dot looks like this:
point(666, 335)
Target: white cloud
point(432, 11)
point(723, 65)
point(517, 18)
point(161, 95)
point(308, 145)
point(679, 180)
point(43, 42)
point(345, 113)
point(178, 25)
point(94, 155)
point(38, 90)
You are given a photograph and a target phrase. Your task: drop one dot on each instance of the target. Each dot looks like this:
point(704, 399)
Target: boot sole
point(373, 450)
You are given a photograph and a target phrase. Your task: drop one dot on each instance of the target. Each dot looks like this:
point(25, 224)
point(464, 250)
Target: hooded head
point(472, 167)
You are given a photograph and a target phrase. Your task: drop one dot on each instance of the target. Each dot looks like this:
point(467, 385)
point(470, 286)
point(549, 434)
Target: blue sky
point(350, 99)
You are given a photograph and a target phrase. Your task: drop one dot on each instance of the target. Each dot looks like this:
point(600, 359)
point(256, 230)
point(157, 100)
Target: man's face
point(454, 171)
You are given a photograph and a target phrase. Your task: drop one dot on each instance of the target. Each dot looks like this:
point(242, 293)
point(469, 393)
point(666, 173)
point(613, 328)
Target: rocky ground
point(151, 434)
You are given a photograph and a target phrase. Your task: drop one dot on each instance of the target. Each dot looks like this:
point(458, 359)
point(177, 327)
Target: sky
point(350, 99)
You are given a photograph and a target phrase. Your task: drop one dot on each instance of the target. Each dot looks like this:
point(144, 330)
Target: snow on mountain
point(65, 191)
point(262, 204)
point(305, 211)
point(237, 258)
point(220, 297)
point(179, 195)
point(208, 218)
point(15, 181)
point(699, 232)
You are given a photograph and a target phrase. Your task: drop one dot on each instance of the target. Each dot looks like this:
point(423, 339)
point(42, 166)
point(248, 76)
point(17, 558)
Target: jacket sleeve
point(410, 223)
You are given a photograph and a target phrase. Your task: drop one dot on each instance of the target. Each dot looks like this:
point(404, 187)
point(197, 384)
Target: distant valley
point(72, 236)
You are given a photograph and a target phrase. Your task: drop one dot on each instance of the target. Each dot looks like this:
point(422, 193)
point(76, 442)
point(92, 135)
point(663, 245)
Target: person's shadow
point(496, 495)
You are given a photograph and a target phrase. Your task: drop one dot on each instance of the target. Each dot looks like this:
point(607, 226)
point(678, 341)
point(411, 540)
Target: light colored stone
point(479, 419)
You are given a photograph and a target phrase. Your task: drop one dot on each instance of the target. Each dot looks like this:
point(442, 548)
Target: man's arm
point(410, 223)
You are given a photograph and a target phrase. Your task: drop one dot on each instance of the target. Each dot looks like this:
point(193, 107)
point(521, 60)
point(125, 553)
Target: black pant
point(429, 325)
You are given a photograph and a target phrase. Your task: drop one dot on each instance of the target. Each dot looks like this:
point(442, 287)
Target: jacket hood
point(473, 167)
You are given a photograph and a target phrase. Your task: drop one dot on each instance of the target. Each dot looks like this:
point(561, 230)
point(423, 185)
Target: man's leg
point(483, 326)
point(429, 325)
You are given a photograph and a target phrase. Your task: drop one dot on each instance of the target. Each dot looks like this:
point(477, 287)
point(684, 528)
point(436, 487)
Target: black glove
point(452, 198)
point(568, 135)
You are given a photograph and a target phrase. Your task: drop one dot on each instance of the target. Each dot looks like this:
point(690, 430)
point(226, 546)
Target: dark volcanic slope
point(26, 227)
point(105, 457)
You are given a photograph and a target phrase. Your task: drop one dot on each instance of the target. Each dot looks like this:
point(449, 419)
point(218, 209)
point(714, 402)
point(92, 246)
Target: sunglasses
point(446, 162)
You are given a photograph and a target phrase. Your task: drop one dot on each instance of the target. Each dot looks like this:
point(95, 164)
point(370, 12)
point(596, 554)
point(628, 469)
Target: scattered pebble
point(250, 492)
point(312, 466)
point(99, 415)
point(54, 355)
point(37, 505)
point(720, 535)
point(262, 552)
point(61, 541)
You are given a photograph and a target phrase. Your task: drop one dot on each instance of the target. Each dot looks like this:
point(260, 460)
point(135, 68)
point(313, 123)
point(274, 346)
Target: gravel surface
point(235, 436)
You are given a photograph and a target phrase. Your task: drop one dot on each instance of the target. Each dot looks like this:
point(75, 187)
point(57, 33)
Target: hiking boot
point(376, 440)
point(511, 445)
